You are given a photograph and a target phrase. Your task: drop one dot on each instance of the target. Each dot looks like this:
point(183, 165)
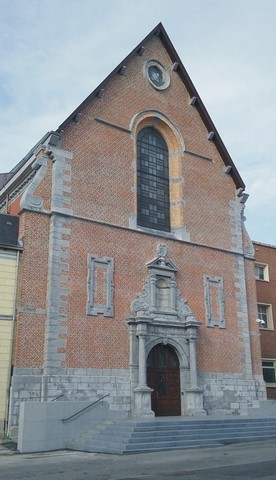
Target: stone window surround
point(176, 147)
point(272, 360)
point(164, 84)
point(269, 317)
point(261, 268)
point(151, 157)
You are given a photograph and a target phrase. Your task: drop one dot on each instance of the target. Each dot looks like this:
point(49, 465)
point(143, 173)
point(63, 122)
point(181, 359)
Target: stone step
point(193, 427)
point(143, 436)
point(127, 433)
point(110, 447)
point(163, 423)
point(187, 436)
point(191, 443)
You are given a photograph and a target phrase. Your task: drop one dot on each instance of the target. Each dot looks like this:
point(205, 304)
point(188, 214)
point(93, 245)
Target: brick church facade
point(136, 278)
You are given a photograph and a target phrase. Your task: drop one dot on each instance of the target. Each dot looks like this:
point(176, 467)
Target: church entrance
point(164, 378)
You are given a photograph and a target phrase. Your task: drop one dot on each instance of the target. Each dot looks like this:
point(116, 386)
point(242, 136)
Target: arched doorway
point(164, 378)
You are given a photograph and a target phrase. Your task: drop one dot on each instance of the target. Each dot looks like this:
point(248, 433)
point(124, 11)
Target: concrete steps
point(130, 436)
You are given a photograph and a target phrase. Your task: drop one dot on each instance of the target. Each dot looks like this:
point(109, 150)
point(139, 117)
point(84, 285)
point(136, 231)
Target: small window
point(157, 74)
point(269, 371)
point(265, 318)
point(261, 272)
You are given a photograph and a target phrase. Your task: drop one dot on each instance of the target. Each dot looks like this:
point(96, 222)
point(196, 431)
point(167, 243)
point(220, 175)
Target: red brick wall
point(103, 180)
point(32, 294)
point(103, 342)
point(103, 166)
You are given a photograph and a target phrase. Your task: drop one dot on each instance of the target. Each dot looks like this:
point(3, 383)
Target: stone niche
point(161, 316)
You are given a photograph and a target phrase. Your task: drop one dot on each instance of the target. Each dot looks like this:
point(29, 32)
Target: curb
point(8, 450)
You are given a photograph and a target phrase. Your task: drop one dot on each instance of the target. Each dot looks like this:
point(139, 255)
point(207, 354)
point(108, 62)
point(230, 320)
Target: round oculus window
point(156, 74)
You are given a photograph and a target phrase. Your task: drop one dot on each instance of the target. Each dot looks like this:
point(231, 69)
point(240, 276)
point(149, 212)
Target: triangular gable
point(162, 265)
point(160, 31)
point(162, 262)
point(162, 34)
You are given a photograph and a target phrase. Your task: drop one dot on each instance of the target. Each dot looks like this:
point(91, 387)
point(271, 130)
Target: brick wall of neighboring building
point(265, 255)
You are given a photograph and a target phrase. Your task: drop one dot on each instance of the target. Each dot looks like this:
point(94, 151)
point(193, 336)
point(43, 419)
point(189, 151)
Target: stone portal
point(161, 317)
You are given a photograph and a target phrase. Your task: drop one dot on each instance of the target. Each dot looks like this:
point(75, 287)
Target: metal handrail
point(56, 398)
point(83, 409)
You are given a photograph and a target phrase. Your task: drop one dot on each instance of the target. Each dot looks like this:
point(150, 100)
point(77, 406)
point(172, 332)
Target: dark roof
point(4, 178)
point(160, 31)
point(29, 154)
point(9, 228)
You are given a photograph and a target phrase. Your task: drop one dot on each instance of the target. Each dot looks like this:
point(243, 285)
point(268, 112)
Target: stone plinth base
point(194, 402)
point(142, 402)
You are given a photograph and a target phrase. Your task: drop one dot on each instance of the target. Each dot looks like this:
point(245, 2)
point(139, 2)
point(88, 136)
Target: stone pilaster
point(142, 393)
point(194, 394)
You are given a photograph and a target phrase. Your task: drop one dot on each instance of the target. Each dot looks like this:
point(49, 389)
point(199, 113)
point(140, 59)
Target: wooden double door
point(164, 378)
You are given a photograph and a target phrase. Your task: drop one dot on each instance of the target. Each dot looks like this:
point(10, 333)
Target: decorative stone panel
point(214, 301)
point(100, 286)
point(29, 200)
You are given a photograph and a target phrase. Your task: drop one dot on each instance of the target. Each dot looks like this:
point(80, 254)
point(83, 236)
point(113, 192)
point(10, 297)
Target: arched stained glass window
point(153, 196)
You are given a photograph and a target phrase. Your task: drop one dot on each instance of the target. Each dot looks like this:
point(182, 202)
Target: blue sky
point(53, 53)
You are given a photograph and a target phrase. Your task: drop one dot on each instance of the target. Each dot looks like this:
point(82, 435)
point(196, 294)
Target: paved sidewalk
point(249, 461)
point(7, 448)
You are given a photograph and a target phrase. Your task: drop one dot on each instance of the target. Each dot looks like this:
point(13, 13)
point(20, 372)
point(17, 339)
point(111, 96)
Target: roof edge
point(116, 70)
point(263, 244)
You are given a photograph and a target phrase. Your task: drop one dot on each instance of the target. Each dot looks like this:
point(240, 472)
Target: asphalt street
point(239, 461)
